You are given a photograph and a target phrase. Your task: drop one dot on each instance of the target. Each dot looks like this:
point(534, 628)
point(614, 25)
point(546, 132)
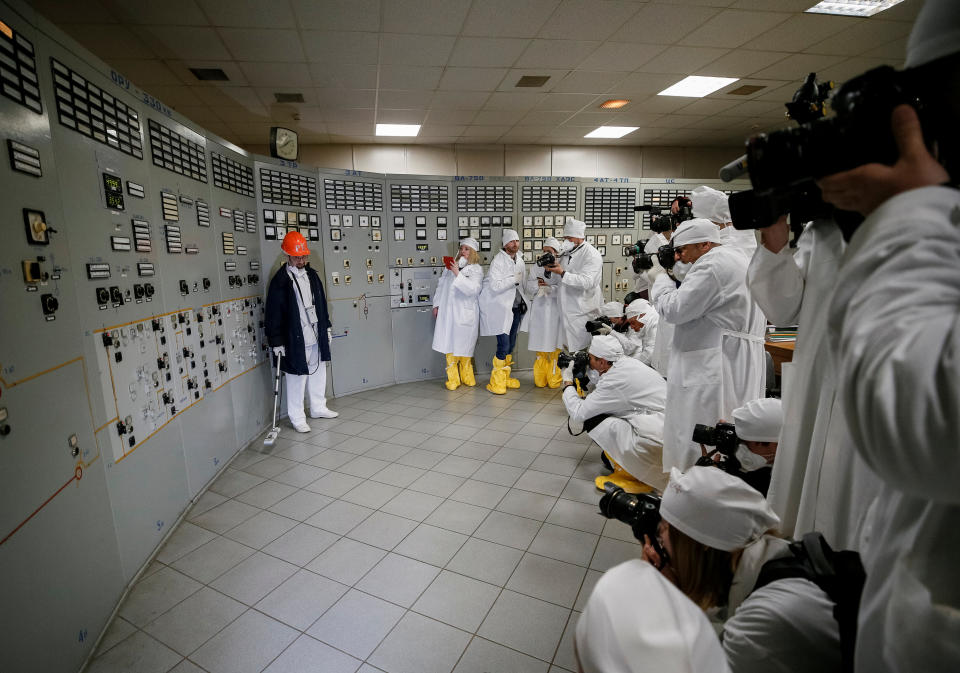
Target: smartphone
point(449, 262)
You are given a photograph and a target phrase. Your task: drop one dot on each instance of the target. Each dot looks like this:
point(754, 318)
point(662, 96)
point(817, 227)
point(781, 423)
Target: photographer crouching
point(623, 414)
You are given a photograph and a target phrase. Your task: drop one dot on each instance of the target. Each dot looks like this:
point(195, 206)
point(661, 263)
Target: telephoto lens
point(665, 255)
point(640, 511)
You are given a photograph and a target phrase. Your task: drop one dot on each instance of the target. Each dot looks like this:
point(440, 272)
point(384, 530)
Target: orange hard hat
point(295, 245)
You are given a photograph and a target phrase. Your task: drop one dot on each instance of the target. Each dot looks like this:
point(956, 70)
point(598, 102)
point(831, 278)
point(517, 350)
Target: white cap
point(759, 420)
point(472, 242)
point(551, 242)
point(696, 230)
point(638, 307)
point(612, 309)
point(606, 347)
point(710, 204)
point(935, 34)
point(636, 621)
point(509, 235)
point(574, 228)
point(715, 508)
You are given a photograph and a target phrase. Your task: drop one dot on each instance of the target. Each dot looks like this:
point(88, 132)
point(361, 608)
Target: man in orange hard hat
point(298, 330)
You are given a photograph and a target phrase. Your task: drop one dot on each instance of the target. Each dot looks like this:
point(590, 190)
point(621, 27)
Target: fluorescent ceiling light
point(611, 131)
point(697, 86)
point(398, 129)
point(852, 7)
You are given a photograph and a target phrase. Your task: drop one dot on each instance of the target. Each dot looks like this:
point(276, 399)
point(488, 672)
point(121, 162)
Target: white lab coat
point(504, 278)
point(816, 483)
point(458, 319)
point(640, 345)
point(895, 317)
point(786, 626)
point(635, 394)
point(717, 362)
point(744, 240)
point(544, 322)
point(580, 295)
point(660, 358)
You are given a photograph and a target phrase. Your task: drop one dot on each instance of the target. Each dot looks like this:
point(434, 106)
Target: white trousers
point(315, 385)
point(636, 449)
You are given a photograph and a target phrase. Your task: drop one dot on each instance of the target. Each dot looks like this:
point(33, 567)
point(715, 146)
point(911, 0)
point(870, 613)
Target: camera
point(722, 435)
point(581, 362)
point(662, 219)
point(641, 512)
point(643, 261)
point(594, 326)
point(546, 259)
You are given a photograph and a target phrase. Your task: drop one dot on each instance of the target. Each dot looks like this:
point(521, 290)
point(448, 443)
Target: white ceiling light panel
point(611, 131)
point(697, 86)
point(852, 7)
point(398, 129)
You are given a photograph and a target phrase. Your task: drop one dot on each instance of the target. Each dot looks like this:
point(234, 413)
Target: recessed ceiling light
point(210, 74)
point(532, 81)
point(746, 90)
point(852, 7)
point(288, 97)
point(697, 86)
point(398, 129)
point(614, 103)
point(611, 131)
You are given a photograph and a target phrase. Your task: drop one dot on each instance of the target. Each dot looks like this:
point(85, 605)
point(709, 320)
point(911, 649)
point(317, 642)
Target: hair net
point(935, 34)
point(472, 242)
point(636, 621)
point(710, 204)
point(637, 307)
point(759, 420)
point(574, 228)
point(697, 230)
point(551, 242)
point(508, 236)
point(715, 508)
point(606, 347)
point(612, 309)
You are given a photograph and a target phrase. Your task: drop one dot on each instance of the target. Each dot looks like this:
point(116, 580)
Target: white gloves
point(567, 373)
point(279, 351)
point(329, 334)
point(605, 329)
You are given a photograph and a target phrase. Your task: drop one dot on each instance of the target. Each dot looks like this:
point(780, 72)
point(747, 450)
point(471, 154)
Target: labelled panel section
point(287, 189)
point(610, 207)
point(18, 70)
point(352, 195)
point(176, 152)
point(231, 175)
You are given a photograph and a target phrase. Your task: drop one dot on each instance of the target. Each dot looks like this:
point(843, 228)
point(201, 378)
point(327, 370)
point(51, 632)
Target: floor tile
point(494, 473)
point(118, 631)
point(379, 433)
point(483, 656)
point(581, 490)
point(565, 657)
point(371, 494)
point(266, 494)
point(247, 457)
point(486, 561)
point(184, 540)
point(420, 645)
point(261, 529)
point(356, 623)
point(382, 530)
point(508, 529)
point(430, 544)
point(526, 442)
point(186, 666)
point(527, 504)
point(139, 653)
point(564, 544)
point(493, 436)
point(205, 503)
point(541, 482)
point(589, 582)
point(233, 482)
point(301, 505)
point(245, 646)
point(308, 655)
point(211, 560)
point(526, 624)
point(269, 467)
point(346, 561)
point(387, 452)
point(547, 579)
point(457, 516)
point(479, 493)
point(612, 552)
point(437, 483)
point(537, 430)
point(334, 484)
point(554, 464)
point(339, 517)
point(253, 578)
point(363, 467)
point(301, 544)
point(153, 596)
point(578, 515)
point(301, 599)
point(225, 516)
point(458, 466)
point(566, 449)
point(191, 623)
point(514, 457)
point(412, 505)
point(398, 579)
point(457, 600)
point(330, 459)
point(398, 475)
point(298, 451)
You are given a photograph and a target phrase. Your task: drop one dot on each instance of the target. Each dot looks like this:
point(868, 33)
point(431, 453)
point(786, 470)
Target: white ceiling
point(451, 65)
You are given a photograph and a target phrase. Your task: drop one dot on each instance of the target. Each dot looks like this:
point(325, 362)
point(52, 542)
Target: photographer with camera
point(579, 293)
point(457, 314)
point(712, 204)
point(623, 414)
point(639, 340)
point(545, 323)
point(716, 361)
point(502, 309)
point(716, 537)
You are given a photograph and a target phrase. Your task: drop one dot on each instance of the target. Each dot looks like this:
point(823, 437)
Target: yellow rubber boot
point(623, 479)
point(541, 366)
point(498, 377)
point(466, 372)
point(511, 382)
point(554, 377)
point(453, 377)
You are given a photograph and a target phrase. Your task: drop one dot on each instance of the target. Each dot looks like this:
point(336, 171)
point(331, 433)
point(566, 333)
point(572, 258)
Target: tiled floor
point(423, 531)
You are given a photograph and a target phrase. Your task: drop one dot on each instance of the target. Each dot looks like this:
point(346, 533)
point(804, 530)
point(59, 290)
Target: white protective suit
point(543, 319)
point(896, 319)
point(580, 294)
point(635, 395)
point(816, 484)
point(458, 318)
point(713, 205)
point(717, 361)
point(660, 358)
point(504, 278)
point(640, 344)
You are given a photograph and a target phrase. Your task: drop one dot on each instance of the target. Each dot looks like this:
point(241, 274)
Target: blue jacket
point(283, 320)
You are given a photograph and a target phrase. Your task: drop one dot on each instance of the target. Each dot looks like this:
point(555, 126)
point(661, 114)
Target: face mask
point(462, 262)
point(749, 461)
point(680, 270)
point(566, 247)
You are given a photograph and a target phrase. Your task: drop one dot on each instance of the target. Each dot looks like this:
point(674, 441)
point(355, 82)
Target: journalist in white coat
point(713, 205)
point(640, 340)
point(544, 323)
point(504, 280)
point(580, 295)
point(455, 304)
point(716, 363)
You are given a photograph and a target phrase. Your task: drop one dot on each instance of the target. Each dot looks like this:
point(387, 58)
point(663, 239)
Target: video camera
point(641, 512)
point(546, 259)
point(723, 436)
point(643, 261)
point(663, 219)
point(581, 362)
point(783, 165)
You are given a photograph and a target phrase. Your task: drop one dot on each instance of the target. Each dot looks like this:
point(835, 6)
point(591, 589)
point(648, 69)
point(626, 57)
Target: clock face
point(284, 144)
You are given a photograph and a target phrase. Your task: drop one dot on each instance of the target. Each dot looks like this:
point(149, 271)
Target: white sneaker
point(301, 427)
point(323, 413)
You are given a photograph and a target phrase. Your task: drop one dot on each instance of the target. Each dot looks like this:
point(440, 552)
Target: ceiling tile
point(277, 74)
point(594, 117)
point(571, 131)
point(545, 118)
point(451, 117)
point(111, 41)
point(458, 100)
point(620, 56)
point(755, 108)
point(644, 83)
point(732, 28)
point(200, 114)
point(415, 49)
point(60, 12)
point(716, 123)
point(145, 72)
point(343, 76)
point(352, 15)
point(571, 102)
point(404, 100)
point(662, 23)
point(387, 116)
point(184, 42)
point(580, 81)
point(537, 129)
point(556, 53)
point(409, 77)
point(683, 60)
point(166, 13)
point(782, 5)
point(740, 63)
point(175, 95)
point(357, 116)
point(894, 52)
point(258, 44)
point(588, 19)
point(513, 100)
point(508, 18)
point(799, 32)
point(678, 121)
point(487, 52)
point(268, 98)
point(708, 106)
point(662, 104)
point(797, 66)
point(353, 98)
point(850, 68)
point(328, 46)
point(236, 113)
point(430, 130)
point(430, 17)
point(509, 82)
point(471, 79)
point(311, 114)
point(485, 131)
point(498, 117)
point(637, 118)
point(243, 96)
point(181, 69)
point(865, 34)
point(250, 13)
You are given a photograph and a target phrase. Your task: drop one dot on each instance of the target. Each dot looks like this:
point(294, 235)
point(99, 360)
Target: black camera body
point(640, 511)
point(643, 261)
point(581, 362)
point(722, 435)
point(546, 259)
point(594, 326)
